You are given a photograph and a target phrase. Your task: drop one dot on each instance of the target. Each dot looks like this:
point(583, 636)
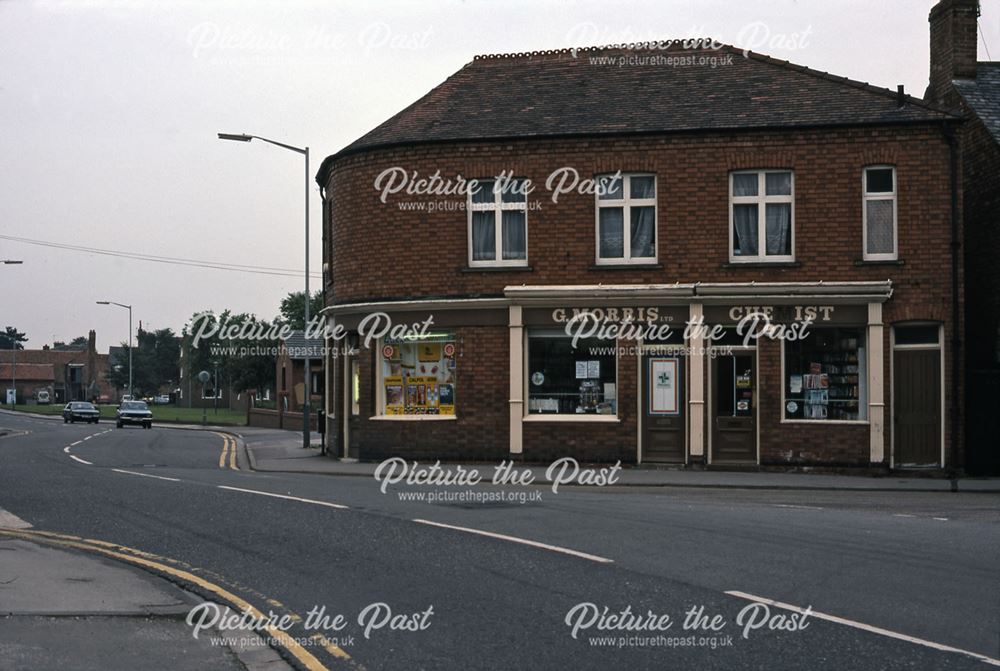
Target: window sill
point(572, 417)
point(626, 266)
point(761, 264)
point(412, 418)
point(879, 262)
point(858, 422)
point(495, 269)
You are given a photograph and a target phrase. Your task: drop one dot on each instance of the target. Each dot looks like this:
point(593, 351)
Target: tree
point(242, 363)
point(155, 362)
point(293, 308)
point(11, 338)
point(79, 342)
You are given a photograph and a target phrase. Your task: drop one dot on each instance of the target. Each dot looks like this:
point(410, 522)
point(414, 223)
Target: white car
point(162, 399)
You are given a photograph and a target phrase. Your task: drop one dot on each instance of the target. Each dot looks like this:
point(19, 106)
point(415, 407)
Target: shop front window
point(418, 375)
point(826, 375)
point(567, 380)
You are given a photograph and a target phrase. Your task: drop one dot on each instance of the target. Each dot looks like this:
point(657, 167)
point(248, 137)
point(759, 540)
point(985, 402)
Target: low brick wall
point(267, 419)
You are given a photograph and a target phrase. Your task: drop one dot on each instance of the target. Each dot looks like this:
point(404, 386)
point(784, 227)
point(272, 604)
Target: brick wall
point(430, 250)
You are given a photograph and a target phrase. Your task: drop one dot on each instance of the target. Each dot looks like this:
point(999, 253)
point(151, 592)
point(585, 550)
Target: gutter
point(956, 347)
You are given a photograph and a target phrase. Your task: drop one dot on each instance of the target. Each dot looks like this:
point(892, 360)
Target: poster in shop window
point(663, 386)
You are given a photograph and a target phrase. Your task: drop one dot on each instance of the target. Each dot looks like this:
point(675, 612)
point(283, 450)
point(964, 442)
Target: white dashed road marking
point(865, 627)
point(522, 541)
point(285, 496)
point(145, 475)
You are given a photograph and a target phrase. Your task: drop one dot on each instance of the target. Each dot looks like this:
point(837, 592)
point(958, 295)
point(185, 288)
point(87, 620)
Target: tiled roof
point(298, 347)
point(567, 92)
point(982, 95)
point(40, 372)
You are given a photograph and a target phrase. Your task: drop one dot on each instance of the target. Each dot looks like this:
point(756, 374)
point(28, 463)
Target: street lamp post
point(304, 151)
point(13, 379)
point(13, 372)
point(129, 308)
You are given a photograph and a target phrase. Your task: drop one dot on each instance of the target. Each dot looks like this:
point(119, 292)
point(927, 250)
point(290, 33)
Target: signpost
point(203, 377)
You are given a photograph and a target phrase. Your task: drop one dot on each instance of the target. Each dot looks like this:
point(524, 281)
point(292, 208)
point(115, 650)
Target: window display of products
point(825, 375)
point(567, 380)
point(418, 376)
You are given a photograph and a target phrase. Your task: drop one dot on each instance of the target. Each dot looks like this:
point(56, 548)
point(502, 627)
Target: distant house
point(27, 378)
point(290, 370)
point(68, 374)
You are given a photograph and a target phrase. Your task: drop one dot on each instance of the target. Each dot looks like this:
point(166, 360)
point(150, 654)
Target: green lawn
point(161, 413)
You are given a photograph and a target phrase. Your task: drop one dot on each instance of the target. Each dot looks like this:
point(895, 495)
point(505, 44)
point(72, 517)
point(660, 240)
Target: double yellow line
point(149, 561)
point(228, 448)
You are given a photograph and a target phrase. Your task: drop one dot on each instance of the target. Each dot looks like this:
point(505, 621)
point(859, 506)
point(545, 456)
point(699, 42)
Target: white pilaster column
point(876, 384)
point(696, 389)
point(516, 405)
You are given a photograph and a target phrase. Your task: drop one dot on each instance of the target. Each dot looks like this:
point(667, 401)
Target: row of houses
point(658, 188)
point(65, 373)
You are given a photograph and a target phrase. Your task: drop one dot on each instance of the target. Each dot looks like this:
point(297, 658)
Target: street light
point(304, 151)
point(129, 308)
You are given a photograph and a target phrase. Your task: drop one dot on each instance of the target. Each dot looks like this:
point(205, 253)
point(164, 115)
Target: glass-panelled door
point(664, 419)
point(733, 411)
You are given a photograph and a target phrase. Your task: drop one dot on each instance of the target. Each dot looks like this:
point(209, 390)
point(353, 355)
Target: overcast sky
point(109, 113)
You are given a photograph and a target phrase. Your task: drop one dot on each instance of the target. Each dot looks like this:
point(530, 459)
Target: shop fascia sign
point(784, 313)
point(609, 314)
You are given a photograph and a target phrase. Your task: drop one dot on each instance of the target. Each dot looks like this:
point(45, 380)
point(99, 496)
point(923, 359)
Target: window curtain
point(612, 233)
point(745, 230)
point(880, 227)
point(514, 242)
point(745, 184)
point(779, 229)
point(778, 183)
point(642, 187)
point(484, 239)
point(643, 230)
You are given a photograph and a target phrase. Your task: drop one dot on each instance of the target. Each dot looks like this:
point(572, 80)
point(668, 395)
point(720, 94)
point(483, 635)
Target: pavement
point(62, 609)
point(282, 452)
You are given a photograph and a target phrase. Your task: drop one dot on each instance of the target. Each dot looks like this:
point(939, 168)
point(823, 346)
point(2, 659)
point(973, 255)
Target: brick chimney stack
point(953, 46)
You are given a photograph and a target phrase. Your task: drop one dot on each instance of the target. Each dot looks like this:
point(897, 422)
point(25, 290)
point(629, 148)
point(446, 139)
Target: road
point(894, 580)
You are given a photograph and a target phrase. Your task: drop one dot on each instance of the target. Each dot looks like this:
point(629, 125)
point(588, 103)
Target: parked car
point(127, 397)
point(81, 411)
point(134, 412)
point(42, 397)
point(162, 399)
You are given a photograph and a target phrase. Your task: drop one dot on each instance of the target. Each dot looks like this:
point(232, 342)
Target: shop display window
point(419, 375)
point(567, 380)
point(826, 375)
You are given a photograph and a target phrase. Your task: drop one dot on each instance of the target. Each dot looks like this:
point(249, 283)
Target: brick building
point(712, 188)
point(68, 374)
point(960, 81)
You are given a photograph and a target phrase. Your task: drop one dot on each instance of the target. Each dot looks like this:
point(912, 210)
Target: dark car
point(134, 412)
point(80, 411)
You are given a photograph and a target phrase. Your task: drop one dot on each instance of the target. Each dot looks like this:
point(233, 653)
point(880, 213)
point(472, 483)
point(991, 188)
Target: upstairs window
point(879, 213)
point(626, 219)
point(498, 226)
point(761, 216)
